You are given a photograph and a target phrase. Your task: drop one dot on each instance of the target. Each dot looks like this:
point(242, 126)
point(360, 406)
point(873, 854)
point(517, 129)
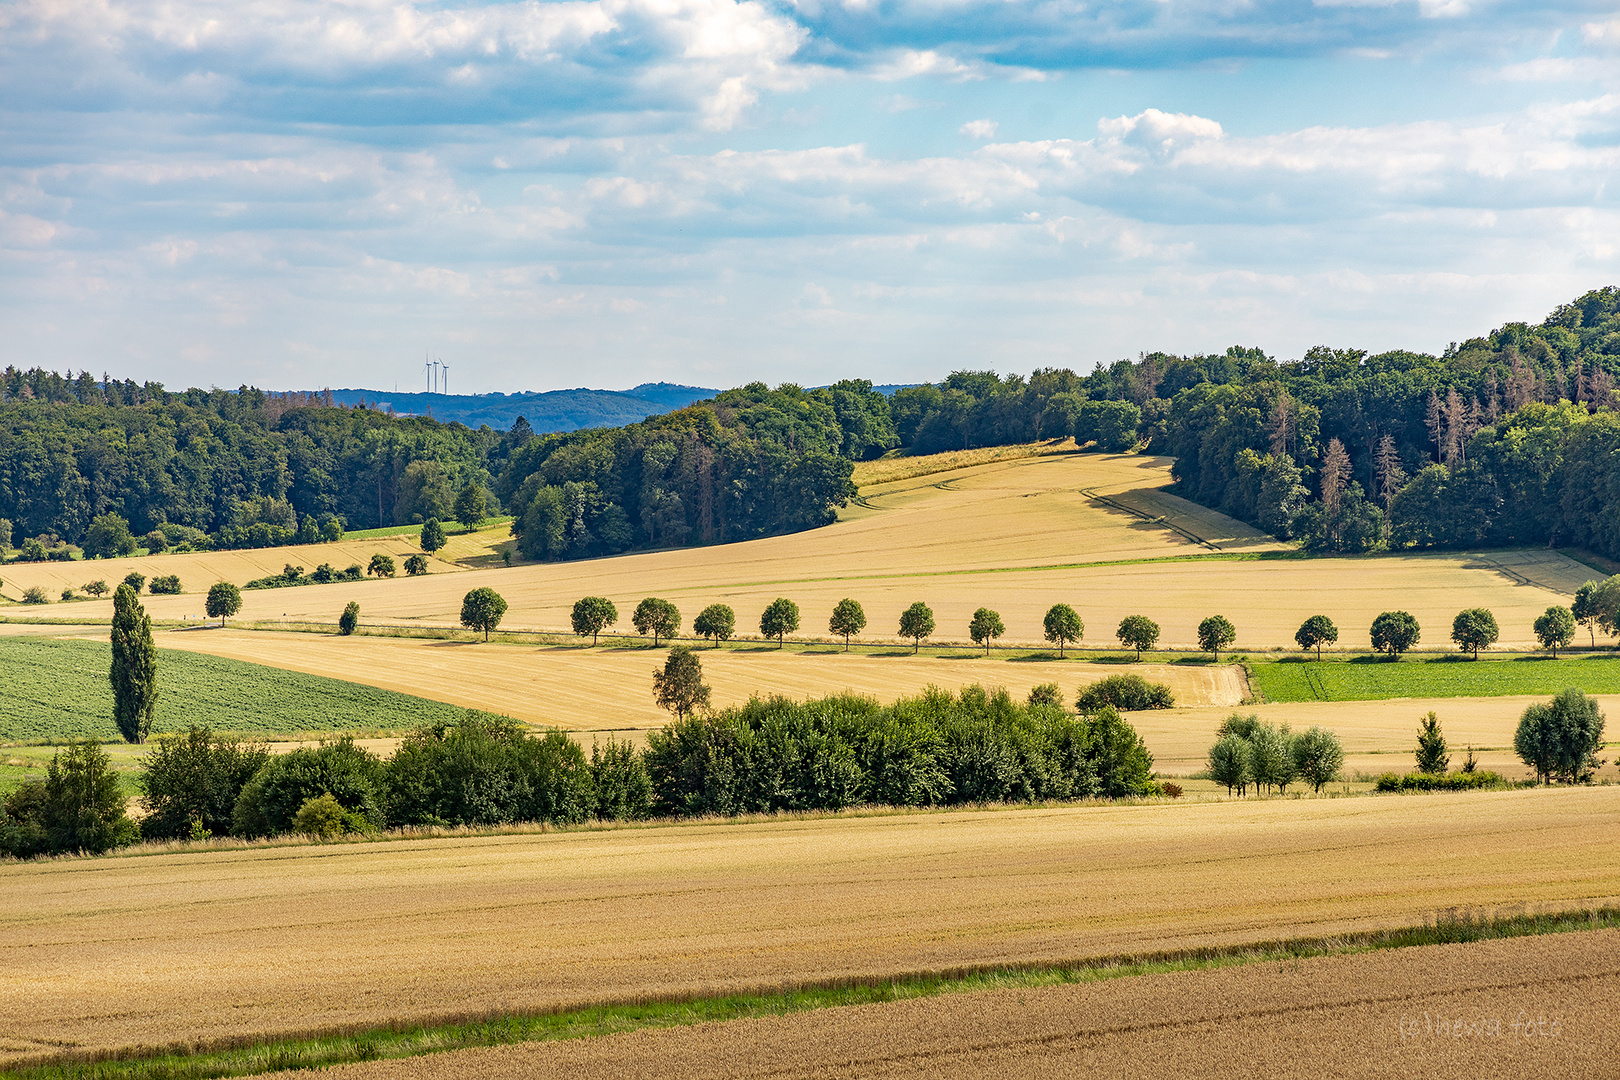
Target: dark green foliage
point(593, 614)
point(916, 623)
point(1318, 757)
point(1110, 424)
point(775, 754)
point(482, 609)
point(351, 775)
point(1138, 632)
point(1249, 752)
point(433, 537)
point(34, 594)
point(1216, 633)
point(415, 566)
point(1394, 632)
point(134, 667)
point(79, 807)
point(717, 622)
point(135, 581)
point(780, 619)
point(1555, 628)
point(165, 585)
point(1316, 631)
point(1047, 693)
point(1560, 740)
point(487, 771)
point(108, 537)
point(1129, 693)
point(97, 588)
point(190, 783)
point(1431, 747)
point(1474, 629)
point(1457, 781)
point(848, 619)
point(323, 574)
point(349, 621)
point(224, 600)
point(1585, 609)
point(679, 687)
point(656, 618)
point(985, 628)
point(472, 505)
point(382, 565)
point(620, 787)
point(1229, 763)
point(1062, 626)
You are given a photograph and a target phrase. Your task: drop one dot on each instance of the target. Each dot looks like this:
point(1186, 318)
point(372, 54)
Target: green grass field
point(54, 691)
point(1377, 680)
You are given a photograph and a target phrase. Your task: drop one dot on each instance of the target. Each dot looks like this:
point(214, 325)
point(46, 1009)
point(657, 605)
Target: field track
point(1015, 535)
point(1383, 1014)
point(161, 948)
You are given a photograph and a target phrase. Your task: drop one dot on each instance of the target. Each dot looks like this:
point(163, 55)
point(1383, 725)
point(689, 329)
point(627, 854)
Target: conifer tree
point(134, 667)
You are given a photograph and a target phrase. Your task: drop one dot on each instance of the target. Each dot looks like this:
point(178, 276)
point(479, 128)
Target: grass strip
point(250, 1058)
point(1367, 679)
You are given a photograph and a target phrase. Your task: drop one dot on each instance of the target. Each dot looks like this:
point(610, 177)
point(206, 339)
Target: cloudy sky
point(299, 193)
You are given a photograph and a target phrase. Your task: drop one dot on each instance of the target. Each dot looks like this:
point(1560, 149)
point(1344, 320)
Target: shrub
point(621, 790)
point(1458, 781)
point(1048, 693)
point(67, 593)
point(79, 807)
point(35, 595)
point(135, 581)
point(1128, 692)
point(1431, 746)
point(271, 799)
point(323, 574)
point(168, 585)
point(349, 621)
point(415, 566)
point(487, 771)
point(1560, 739)
point(155, 541)
point(321, 817)
point(1171, 791)
point(190, 783)
point(353, 573)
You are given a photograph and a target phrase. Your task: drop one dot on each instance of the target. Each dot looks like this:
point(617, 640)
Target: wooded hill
point(1505, 439)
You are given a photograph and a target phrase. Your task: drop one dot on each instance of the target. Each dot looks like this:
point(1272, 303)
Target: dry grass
point(611, 689)
point(1016, 535)
point(897, 465)
point(1438, 1011)
point(163, 948)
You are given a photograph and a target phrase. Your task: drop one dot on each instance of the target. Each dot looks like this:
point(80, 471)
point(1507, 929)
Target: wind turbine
point(447, 379)
point(427, 366)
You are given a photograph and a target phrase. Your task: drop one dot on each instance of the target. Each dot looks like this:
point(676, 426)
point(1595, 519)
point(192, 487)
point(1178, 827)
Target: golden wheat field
point(1524, 1007)
point(1016, 535)
point(173, 947)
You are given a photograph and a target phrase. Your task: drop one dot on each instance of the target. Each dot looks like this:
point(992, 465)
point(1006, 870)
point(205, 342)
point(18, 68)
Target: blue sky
point(299, 193)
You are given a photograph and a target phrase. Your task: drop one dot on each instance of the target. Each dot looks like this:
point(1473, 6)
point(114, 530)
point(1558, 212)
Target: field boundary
point(355, 1043)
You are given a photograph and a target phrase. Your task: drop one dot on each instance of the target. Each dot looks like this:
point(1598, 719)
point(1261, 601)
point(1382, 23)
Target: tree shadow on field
point(960, 656)
point(451, 644)
point(1193, 661)
point(758, 648)
point(895, 652)
point(1129, 658)
point(1042, 657)
point(1450, 658)
point(1374, 658)
point(820, 652)
point(1535, 659)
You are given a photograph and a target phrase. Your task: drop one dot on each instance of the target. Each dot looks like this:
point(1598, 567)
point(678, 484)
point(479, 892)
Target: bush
point(35, 595)
point(1247, 751)
point(271, 799)
point(1560, 740)
point(67, 593)
point(1170, 791)
point(620, 787)
point(415, 566)
point(349, 621)
point(487, 771)
point(382, 565)
point(321, 818)
point(135, 581)
point(168, 585)
point(1458, 781)
point(79, 807)
point(108, 536)
point(1047, 693)
point(1130, 693)
point(191, 782)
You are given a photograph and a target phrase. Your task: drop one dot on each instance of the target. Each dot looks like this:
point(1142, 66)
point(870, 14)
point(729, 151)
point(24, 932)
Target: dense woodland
point(1506, 439)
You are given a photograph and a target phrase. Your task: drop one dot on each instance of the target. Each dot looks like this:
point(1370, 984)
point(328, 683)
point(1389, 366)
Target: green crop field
point(1376, 680)
point(52, 691)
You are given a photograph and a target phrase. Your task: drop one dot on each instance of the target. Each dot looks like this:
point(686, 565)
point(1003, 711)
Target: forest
point(1507, 439)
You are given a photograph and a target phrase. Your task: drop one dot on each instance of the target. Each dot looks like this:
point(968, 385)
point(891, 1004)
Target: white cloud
point(979, 129)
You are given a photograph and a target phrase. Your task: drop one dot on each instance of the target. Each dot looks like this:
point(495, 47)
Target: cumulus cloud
point(979, 129)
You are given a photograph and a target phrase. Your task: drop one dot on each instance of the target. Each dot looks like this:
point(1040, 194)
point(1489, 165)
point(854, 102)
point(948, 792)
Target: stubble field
point(1016, 535)
point(1516, 1008)
point(163, 948)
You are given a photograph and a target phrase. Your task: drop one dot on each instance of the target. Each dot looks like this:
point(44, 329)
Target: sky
point(307, 193)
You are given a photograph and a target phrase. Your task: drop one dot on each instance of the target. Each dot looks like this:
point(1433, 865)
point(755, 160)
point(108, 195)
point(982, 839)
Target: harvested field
point(276, 940)
point(1016, 535)
point(611, 689)
point(1435, 1011)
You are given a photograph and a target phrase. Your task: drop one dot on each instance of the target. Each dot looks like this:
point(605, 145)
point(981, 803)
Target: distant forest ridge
point(1511, 438)
point(546, 411)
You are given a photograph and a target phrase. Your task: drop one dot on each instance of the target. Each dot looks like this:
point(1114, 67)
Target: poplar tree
point(134, 667)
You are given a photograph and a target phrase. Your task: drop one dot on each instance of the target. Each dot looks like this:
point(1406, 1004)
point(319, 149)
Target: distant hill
point(553, 410)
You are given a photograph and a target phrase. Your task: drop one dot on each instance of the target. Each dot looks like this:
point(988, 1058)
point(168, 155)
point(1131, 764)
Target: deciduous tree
point(1316, 631)
point(656, 617)
point(433, 537)
point(381, 565)
point(592, 615)
point(1138, 632)
point(716, 622)
point(1394, 632)
point(679, 686)
point(349, 621)
point(1474, 629)
point(1555, 628)
point(1216, 633)
point(1560, 740)
point(482, 609)
point(916, 623)
point(1062, 626)
point(779, 619)
point(985, 628)
point(224, 600)
point(848, 619)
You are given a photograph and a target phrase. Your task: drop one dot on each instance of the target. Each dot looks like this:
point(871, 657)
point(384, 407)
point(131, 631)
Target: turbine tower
point(447, 379)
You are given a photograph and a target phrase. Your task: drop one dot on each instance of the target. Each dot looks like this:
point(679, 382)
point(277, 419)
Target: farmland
point(1369, 1015)
point(1015, 534)
point(55, 690)
point(1451, 676)
point(285, 939)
